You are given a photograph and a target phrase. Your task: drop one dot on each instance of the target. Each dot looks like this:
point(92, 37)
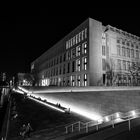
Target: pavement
point(46, 122)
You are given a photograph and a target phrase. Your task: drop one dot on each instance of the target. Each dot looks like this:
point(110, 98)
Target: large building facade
point(91, 55)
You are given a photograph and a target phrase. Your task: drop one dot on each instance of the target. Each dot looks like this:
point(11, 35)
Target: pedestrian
point(23, 131)
point(28, 130)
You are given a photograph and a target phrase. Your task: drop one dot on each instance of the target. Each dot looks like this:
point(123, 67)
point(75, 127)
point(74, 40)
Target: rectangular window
point(85, 33)
point(73, 53)
point(73, 66)
point(73, 80)
point(84, 48)
point(78, 65)
point(118, 50)
point(137, 54)
point(103, 50)
point(119, 64)
point(132, 53)
point(78, 80)
point(124, 51)
point(64, 69)
point(103, 64)
point(79, 37)
point(78, 50)
point(128, 65)
point(76, 38)
point(85, 79)
point(84, 63)
point(67, 45)
point(118, 40)
point(68, 68)
point(128, 52)
point(124, 65)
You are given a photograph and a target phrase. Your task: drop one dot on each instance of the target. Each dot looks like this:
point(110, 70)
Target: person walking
point(28, 130)
point(23, 131)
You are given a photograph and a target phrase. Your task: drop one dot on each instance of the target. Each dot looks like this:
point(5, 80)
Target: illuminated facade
point(91, 55)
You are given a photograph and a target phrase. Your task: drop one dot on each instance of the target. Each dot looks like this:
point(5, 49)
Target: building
point(90, 55)
point(24, 79)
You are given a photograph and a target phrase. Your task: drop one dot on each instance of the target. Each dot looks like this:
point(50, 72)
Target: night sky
point(23, 38)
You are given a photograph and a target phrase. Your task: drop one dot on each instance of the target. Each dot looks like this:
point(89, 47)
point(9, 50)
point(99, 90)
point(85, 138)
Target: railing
point(112, 119)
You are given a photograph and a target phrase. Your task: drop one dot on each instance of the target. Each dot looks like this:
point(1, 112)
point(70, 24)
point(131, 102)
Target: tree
point(134, 71)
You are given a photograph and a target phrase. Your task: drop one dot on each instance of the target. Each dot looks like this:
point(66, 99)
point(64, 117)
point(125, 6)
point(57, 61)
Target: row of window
point(70, 54)
point(127, 43)
point(73, 66)
point(127, 52)
point(124, 65)
point(73, 80)
point(76, 39)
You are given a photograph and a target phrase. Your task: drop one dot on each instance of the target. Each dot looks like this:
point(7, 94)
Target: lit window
point(82, 35)
point(84, 63)
point(79, 37)
point(78, 80)
point(78, 65)
point(78, 50)
point(85, 33)
point(84, 48)
point(67, 45)
point(76, 38)
point(85, 79)
point(73, 53)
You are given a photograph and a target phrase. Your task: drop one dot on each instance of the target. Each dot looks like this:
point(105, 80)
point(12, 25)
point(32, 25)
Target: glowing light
point(53, 107)
point(133, 113)
point(117, 115)
point(106, 118)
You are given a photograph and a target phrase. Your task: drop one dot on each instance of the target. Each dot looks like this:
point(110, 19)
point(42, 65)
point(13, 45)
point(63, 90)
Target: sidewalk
point(46, 122)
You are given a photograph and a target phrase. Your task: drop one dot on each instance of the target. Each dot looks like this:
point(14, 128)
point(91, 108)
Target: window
point(128, 44)
point(78, 50)
point(60, 70)
point(73, 66)
point(78, 65)
point(118, 50)
point(103, 50)
point(61, 59)
point(73, 80)
point(78, 80)
point(132, 53)
point(85, 79)
point(123, 51)
point(64, 69)
point(84, 63)
point(128, 65)
point(64, 58)
point(79, 37)
point(67, 45)
point(118, 40)
point(128, 52)
point(68, 68)
point(73, 53)
point(103, 64)
point(119, 64)
point(85, 33)
point(84, 48)
point(124, 65)
point(68, 55)
point(137, 54)
point(76, 38)
point(123, 41)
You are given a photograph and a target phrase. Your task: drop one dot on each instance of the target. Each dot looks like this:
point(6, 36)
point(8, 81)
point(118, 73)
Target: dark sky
point(25, 37)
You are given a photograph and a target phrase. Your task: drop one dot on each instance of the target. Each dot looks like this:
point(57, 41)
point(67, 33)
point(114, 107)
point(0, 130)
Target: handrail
point(109, 118)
